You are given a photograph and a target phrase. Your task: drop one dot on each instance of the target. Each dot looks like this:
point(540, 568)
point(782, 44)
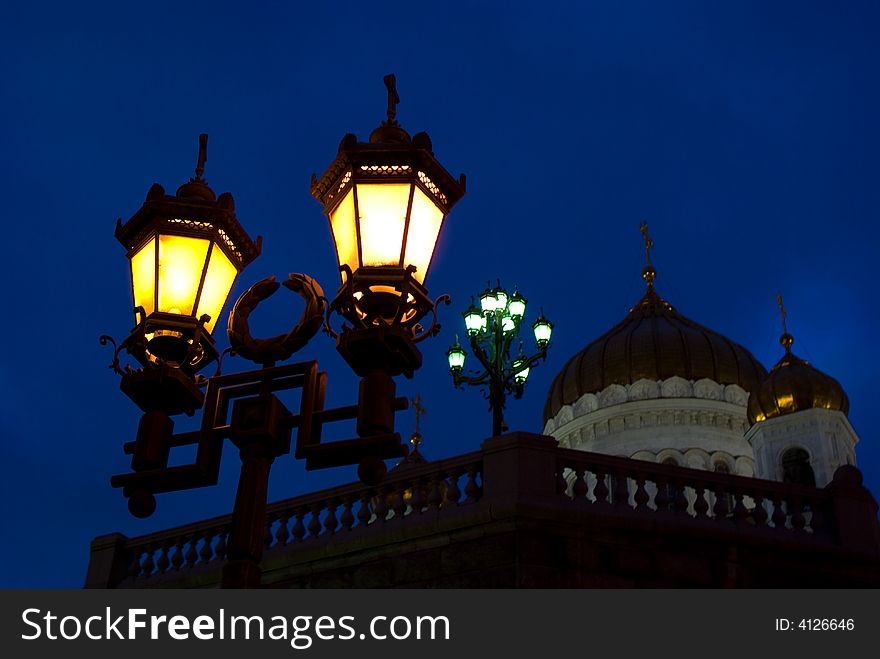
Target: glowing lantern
point(386, 200)
point(185, 252)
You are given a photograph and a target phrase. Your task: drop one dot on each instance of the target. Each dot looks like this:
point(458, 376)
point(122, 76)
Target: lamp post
point(492, 328)
point(386, 201)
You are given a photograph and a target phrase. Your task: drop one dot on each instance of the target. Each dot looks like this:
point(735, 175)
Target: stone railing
point(347, 510)
point(512, 475)
point(598, 480)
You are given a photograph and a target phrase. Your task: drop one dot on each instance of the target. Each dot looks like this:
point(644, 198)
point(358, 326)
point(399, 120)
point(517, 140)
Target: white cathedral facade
point(660, 387)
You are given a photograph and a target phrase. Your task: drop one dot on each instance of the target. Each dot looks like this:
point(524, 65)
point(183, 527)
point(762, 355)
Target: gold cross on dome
point(649, 244)
point(782, 311)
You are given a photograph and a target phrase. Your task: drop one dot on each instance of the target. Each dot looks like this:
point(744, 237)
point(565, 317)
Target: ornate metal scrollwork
point(105, 339)
point(281, 347)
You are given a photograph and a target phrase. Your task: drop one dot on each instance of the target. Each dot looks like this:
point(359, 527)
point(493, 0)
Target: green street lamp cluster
point(492, 329)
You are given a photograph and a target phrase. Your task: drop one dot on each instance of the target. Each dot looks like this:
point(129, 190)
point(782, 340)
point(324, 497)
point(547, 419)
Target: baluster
point(315, 521)
point(267, 536)
point(701, 505)
point(600, 492)
point(148, 564)
point(561, 483)
point(177, 558)
point(135, 568)
point(779, 516)
point(418, 496)
point(397, 503)
point(163, 562)
point(661, 499)
point(453, 494)
point(434, 496)
point(282, 535)
point(220, 549)
point(207, 551)
point(299, 529)
point(740, 512)
point(721, 508)
point(364, 512)
point(759, 513)
point(641, 496)
point(797, 516)
point(472, 490)
point(330, 521)
point(347, 518)
point(382, 504)
point(190, 554)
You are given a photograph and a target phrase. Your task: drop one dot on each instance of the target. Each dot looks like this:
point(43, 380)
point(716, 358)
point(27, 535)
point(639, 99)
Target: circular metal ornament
point(281, 347)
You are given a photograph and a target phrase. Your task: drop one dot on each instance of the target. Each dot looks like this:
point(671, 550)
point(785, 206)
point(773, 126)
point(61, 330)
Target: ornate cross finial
point(782, 311)
point(393, 99)
point(648, 273)
point(786, 339)
point(649, 244)
point(203, 156)
point(418, 409)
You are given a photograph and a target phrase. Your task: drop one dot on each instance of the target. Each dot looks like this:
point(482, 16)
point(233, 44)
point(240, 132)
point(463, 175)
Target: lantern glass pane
point(382, 211)
point(488, 302)
point(517, 307)
point(456, 358)
point(143, 277)
point(344, 233)
point(473, 321)
point(181, 263)
point(507, 324)
point(501, 299)
point(218, 282)
point(424, 225)
point(542, 332)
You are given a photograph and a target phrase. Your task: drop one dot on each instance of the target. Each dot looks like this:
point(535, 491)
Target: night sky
point(745, 134)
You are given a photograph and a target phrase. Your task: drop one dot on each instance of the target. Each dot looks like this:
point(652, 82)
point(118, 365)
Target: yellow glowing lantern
point(185, 252)
point(386, 200)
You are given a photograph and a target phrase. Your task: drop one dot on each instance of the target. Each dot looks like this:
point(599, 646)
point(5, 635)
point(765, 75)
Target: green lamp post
point(493, 328)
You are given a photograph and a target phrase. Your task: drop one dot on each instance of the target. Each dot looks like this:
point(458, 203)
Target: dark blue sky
point(745, 133)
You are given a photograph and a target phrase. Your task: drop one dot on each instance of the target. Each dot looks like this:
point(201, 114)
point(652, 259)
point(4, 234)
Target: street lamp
point(386, 201)
point(492, 329)
point(185, 253)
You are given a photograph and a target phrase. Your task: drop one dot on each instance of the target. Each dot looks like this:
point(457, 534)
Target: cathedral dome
point(794, 385)
point(653, 342)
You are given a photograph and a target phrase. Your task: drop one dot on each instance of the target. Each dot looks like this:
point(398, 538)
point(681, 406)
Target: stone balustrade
point(345, 510)
point(592, 479)
point(518, 474)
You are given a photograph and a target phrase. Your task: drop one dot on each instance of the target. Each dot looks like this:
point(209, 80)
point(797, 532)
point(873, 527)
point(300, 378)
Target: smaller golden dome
point(794, 385)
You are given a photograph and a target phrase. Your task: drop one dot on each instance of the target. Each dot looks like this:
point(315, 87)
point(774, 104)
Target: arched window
point(796, 468)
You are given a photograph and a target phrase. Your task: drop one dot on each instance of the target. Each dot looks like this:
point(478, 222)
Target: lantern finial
point(203, 156)
point(393, 99)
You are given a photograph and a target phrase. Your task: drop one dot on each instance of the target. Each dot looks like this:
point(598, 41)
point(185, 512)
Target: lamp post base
point(243, 573)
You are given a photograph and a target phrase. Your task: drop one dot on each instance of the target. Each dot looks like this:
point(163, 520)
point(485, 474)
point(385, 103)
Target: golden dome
point(794, 385)
point(653, 342)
